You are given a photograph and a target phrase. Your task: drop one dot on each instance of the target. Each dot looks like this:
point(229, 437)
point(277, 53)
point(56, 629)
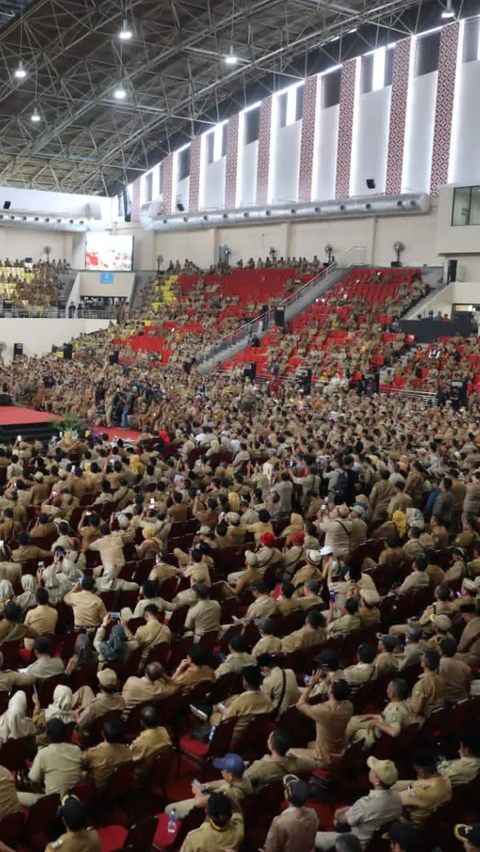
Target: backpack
point(341, 485)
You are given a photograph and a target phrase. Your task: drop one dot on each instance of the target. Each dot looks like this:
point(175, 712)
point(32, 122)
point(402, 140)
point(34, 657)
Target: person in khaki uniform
point(466, 767)
point(428, 692)
point(26, 551)
point(223, 829)
point(162, 571)
point(279, 684)
point(251, 573)
point(88, 609)
point(192, 670)
point(368, 612)
point(348, 621)
point(152, 633)
point(44, 666)
point(396, 716)
point(263, 605)
point(417, 579)
point(232, 783)
point(149, 743)
point(312, 633)
point(312, 568)
point(420, 797)
point(250, 702)
point(469, 644)
point(56, 768)
point(386, 662)
point(363, 669)
point(42, 619)
point(237, 659)
point(278, 762)
point(456, 675)
point(153, 686)
point(9, 801)
point(89, 707)
point(77, 838)
point(101, 760)
point(310, 597)
point(11, 628)
point(268, 643)
point(331, 719)
point(10, 680)
point(204, 616)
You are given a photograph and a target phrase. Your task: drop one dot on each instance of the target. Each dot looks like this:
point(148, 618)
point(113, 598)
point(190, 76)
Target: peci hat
point(326, 550)
point(441, 622)
point(385, 769)
point(107, 677)
point(231, 763)
point(470, 833)
point(251, 558)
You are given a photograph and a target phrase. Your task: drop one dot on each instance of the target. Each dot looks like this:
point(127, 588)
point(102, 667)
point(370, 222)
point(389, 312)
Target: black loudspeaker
point(371, 183)
point(452, 271)
point(127, 211)
point(67, 352)
point(113, 357)
point(17, 350)
point(250, 372)
point(180, 207)
point(279, 316)
point(304, 376)
point(7, 205)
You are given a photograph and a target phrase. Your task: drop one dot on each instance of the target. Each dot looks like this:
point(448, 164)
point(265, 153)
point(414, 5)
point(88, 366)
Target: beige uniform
point(235, 662)
point(276, 686)
point(110, 547)
point(208, 839)
point(422, 796)
point(331, 719)
point(145, 748)
point(269, 769)
point(457, 679)
point(46, 667)
point(427, 694)
point(193, 675)
point(57, 767)
point(9, 801)
point(148, 635)
point(10, 680)
point(359, 673)
point(385, 664)
point(139, 689)
point(236, 790)
point(306, 637)
point(88, 609)
point(344, 624)
point(96, 706)
point(262, 607)
point(267, 645)
point(415, 580)
point(202, 618)
point(101, 760)
point(42, 619)
point(87, 840)
point(397, 715)
point(242, 707)
point(463, 770)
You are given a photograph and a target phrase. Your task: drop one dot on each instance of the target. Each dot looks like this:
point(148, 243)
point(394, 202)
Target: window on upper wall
point(331, 83)
point(184, 163)
point(471, 40)
point(147, 188)
point(366, 73)
point(216, 143)
point(427, 49)
point(210, 143)
point(252, 124)
point(388, 66)
point(282, 109)
point(466, 205)
point(299, 102)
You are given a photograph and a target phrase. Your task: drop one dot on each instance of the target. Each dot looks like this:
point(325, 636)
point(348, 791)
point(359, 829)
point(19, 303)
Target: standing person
point(331, 719)
point(296, 827)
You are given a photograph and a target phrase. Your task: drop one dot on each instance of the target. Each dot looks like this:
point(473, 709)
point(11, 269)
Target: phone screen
point(332, 597)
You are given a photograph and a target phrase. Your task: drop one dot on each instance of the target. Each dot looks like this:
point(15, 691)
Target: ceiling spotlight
point(120, 93)
point(230, 58)
point(125, 33)
point(35, 116)
point(449, 11)
point(20, 72)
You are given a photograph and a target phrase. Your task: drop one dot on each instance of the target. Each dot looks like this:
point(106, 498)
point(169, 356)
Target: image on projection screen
point(104, 251)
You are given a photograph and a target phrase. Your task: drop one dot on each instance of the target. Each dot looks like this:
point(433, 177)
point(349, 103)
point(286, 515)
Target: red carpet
point(12, 414)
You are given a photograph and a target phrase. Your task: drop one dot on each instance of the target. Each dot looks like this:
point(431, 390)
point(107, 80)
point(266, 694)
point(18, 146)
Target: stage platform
point(32, 425)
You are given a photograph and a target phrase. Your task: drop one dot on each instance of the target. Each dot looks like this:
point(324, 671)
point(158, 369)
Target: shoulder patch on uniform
point(412, 794)
point(417, 692)
point(56, 843)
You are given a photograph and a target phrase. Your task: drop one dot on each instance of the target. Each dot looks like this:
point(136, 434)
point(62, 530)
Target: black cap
point(405, 834)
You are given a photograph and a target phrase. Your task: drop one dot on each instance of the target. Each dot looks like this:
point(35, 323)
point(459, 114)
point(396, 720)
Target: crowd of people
point(25, 285)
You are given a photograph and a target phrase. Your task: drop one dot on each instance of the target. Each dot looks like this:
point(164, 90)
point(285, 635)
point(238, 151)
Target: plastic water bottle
point(172, 821)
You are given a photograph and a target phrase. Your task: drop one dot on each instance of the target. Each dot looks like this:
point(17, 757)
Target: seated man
point(419, 798)
point(149, 743)
point(152, 633)
point(250, 702)
point(417, 579)
point(396, 716)
point(310, 635)
point(100, 761)
point(204, 615)
point(11, 627)
point(232, 783)
point(42, 618)
point(349, 619)
point(79, 834)
point(297, 824)
point(237, 658)
point(263, 605)
point(219, 818)
point(153, 686)
point(278, 762)
point(382, 805)
point(331, 719)
point(45, 666)
point(364, 668)
point(428, 692)
point(192, 670)
point(91, 707)
point(456, 675)
point(465, 768)
point(278, 683)
point(268, 643)
point(56, 768)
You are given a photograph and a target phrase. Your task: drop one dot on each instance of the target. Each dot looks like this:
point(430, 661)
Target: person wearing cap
point(279, 761)
point(312, 570)
point(250, 574)
point(369, 813)
point(469, 835)
point(232, 783)
point(267, 554)
point(310, 635)
point(204, 616)
point(56, 768)
point(78, 837)
point(396, 715)
point(251, 702)
point(386, 662)
point(429, 691)
point(237, 658)
point(456, 675)
point(403, 837)
point(296, 827)
point(100, 761)
point(268, 643)
point(468, 595)
point(331, 719)
point(262, 605)
point(369, 612)
point(419, 798)
point(278, 683)
point(310, 597)
point(223, 827)
point(90, 707)
point(469, 644)
point(149, 743)
point(466, 767)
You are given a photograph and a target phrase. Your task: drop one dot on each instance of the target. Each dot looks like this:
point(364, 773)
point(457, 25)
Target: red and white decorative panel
point(231, 163)
point(345, 129)
point(308, 139)
point(264, 136)
point(398, 115)
point(447, 66)
point(194, 182)
point(167, 183)
point(135, 200)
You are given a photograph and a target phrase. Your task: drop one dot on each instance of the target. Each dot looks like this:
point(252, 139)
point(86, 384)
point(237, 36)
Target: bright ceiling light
point(35, 116)
point(125, 33)
point(20, 72)
point(120, 93)
point(449, 11)
point(230, 58)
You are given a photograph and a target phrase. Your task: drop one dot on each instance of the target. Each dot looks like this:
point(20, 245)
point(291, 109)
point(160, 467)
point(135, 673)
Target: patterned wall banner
point(135, 200)
point(447, 65)
point(264, 138)
point(398, 115)
point(167, 183)
point(231, 162)
point(194, 183)
point(308, 139)
point(345, 129)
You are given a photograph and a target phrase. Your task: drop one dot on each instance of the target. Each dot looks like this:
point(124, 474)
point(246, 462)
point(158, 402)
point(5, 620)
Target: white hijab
point(61, 706)
point(14, 723)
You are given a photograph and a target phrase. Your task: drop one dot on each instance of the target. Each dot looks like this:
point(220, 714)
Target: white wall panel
point(370, 144)
point(255, 241)
point(181, 193)
point(325, 157)
point(247, 174)
point(465, 147)
point(26, 242)
point(39, 335)
point(420, 124)
point(53, 202)
point(286, 163)
point(213, 189)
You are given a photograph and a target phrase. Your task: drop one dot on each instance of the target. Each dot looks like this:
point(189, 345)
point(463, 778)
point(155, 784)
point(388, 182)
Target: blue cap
point(232, 763)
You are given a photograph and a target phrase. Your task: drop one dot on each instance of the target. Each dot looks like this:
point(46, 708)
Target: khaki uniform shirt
point(385, 663)
point(29, 551)
point(369, 813)
point(208, 839)
point(293, 829)
point(412, 654)
point(10, 632)
point(162, 572)
point(9, 803)
point(457, 678)
point(145, 748)
point(203, 617)
point(46, 667)
point(306, 637)
point(150, 634)
point(415, 580)
point(193, 675)
point(344, 624)
point(331, 719)
point(262, 607)
point(242, 707)
point(309, 601)
point(139, 689)
point(463, 770)
point(110, 547)
point(268, 769)
point(422, 796)
point(10, 679)
point(235, 662)
point(101, 760)
point(103, 703)
point(308, 572)
point(359, 673)
point(58, 767)
point(42, 619)
point(273, 687)
point(87, 840)
point(427, 694)
point(267, 645)
point(398, 715)
point(88, 609)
